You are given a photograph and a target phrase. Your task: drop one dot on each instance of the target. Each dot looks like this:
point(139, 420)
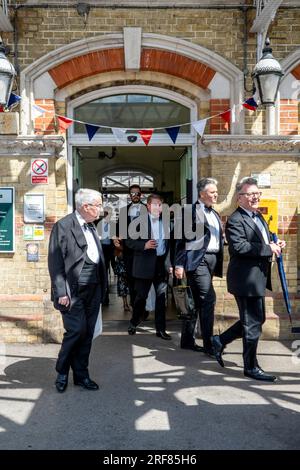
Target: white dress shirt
point(92, 250)
point(157, 231)
point(214, 227)
point(134, 210)
point(259, 224)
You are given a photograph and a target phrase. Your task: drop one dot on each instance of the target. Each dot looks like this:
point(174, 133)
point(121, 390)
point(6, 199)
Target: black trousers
point(204, 295)
point(142, 288)
point(128, 259)
point(249, 326)
point(79, 323)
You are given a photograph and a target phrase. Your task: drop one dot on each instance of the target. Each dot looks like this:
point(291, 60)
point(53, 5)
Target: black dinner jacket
point(190, 259)
point(249, 267)
point(144, 261)
point(66, 257)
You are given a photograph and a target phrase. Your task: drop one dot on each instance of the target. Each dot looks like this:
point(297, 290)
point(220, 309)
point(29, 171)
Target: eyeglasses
point(248, 195)
point(135, 194)
point(95, 205)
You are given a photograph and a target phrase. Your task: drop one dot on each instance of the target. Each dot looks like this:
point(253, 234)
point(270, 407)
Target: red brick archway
point(109, 60)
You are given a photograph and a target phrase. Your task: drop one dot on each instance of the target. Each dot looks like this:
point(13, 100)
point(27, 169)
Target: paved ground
point(153, 396)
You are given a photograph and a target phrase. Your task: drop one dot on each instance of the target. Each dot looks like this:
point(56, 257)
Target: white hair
point(86, 196)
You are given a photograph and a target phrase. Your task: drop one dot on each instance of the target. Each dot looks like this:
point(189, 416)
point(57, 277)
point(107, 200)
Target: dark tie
point(89, 225)
point(208, 208)
point(254, 214)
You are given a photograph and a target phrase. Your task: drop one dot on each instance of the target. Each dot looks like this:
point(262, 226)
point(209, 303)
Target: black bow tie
point(254, 214)
point(89, 225)
point(208, 208)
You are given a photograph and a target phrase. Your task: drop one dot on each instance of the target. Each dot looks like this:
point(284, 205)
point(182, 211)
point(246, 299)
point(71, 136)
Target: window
point(132, 111)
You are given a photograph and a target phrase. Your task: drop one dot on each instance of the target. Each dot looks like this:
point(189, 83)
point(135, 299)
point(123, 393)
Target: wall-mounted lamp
point(83, 10)
point(266, 76)
point(7, 75)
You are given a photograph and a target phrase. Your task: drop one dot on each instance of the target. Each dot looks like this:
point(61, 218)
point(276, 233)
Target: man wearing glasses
point(127, 215)
point(248, 276)
point(78, 284)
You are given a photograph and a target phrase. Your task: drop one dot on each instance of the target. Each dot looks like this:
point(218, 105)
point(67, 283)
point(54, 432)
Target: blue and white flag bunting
point(91, 130)
point(199, 126)
point(37, 111)
point(119, 134)
point(173, 132)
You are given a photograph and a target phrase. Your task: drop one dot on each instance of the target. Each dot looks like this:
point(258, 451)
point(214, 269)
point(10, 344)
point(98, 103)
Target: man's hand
point(281, 243)
point(117, 242)
point(179, 273)
point(275, 249)
point(150, 245)
point(64, 301)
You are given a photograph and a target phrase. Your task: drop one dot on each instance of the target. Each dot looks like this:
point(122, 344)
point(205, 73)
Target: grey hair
point(203, 182)
point(247, 180)
point(86, 196)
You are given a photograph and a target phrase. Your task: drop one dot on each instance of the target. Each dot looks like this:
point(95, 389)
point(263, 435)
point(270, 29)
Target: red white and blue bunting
point(146, 134)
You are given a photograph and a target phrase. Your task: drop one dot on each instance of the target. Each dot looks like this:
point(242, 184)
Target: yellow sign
point(269, 210)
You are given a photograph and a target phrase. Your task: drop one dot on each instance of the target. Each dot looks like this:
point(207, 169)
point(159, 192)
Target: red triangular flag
point(146, 135)
point(64, 123)
point(226, 116)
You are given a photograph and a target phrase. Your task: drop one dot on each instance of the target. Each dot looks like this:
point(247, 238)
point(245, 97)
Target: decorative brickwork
point(289, 117)
point(217, 124)
point(177, 65)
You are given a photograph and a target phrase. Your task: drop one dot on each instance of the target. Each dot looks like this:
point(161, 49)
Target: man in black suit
point(151, 264)
point(201, 258)
point(248, 275)
point(78, 283)
point(127, 214)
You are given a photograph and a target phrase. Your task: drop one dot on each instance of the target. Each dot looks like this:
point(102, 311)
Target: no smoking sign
point(39, 171)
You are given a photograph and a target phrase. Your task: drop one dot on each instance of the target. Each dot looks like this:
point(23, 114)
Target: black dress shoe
point(209, 351)
point(194, 347)
point(131, 329)
point(163, 335)
point(218, 349)
point(61, 382)
point(258, 374)
point(87, 383)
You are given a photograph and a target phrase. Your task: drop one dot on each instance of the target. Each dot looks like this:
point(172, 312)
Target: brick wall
point(289, 117)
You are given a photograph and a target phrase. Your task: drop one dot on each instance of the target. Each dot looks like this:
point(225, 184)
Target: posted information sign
point(39, 171)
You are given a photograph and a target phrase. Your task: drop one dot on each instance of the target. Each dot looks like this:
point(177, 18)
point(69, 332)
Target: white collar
point(80, 218)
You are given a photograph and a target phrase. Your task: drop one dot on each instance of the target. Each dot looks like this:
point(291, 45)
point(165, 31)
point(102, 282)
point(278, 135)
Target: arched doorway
point(173, 166)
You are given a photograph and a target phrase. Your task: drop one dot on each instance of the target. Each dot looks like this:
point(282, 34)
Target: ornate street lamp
point(7, 75)
point(266, 76)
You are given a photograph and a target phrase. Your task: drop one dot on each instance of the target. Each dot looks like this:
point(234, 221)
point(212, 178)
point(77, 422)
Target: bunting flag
point(199, 126)
point(250, 104)
point(226, 117)
point(91, 130)
point(13, 100)
point(64, 123)
point(37, 111)
point(173, 133)
point(118, 133)
point(146, 135)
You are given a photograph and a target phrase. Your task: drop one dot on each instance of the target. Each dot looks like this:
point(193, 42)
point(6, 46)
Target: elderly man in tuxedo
point(151, 264)
point(251, 250)
point(78, 283)
point(201, 258)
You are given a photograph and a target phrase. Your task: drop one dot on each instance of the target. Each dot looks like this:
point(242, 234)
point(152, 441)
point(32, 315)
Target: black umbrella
point(284, 285)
